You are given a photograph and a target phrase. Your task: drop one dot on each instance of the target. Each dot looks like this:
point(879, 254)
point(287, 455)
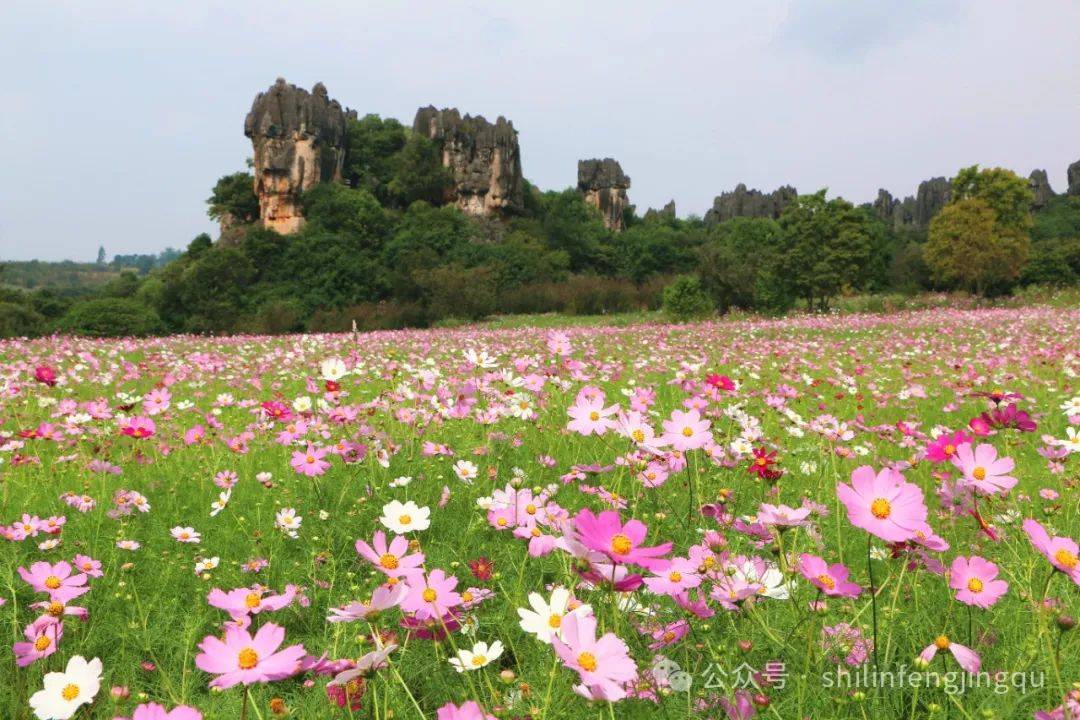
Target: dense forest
point(385, 250)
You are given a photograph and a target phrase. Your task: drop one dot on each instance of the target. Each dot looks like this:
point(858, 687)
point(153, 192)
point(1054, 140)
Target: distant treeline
point(386, 252)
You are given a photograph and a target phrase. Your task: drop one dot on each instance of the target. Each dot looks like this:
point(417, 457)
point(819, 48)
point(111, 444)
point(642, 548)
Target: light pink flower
point(975, 580)
point(883, 504)
point(830, 579)
point(965, 656)
point(603, 664)
point(241, 658)
point(982, 468)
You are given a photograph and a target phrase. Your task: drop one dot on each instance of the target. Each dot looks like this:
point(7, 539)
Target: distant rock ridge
point(604, 185)
point(1040, 188)
point(914, 212)
point(667, 212)
point(1074, 179)
point(741, 202)
point(298, 140)
point(483, 158)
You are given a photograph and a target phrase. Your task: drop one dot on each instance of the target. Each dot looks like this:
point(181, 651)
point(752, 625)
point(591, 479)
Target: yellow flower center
point(675, 576)
point(42, 643)
point(942, 642)
point(687, 431)
point(247, 658)
point(620, 544)
point(975, 585)
point(52, 582)
point(479, 660)
point(87, 566)
point(252, 600)
point(70, 692)
point(638, 435)
point(466, 596)
point(310, 459)
point(555, 621)
point(501, 522)
point(668, 636)
point(1066, 559)
point(405, 519)
point(594, 416)
point(950, 449)
point(761, 462)
point(881, 508)
point(587, 661)
point(430, 595)
point(536, 532)
point(530, 509)
point(979, 473)
point(389, 561)
point(827, 581)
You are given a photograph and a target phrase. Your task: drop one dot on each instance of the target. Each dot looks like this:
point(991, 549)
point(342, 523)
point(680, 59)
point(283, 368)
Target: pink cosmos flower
point(944, 448)
point(467, 711)
point(241, 658)
point(782, 516)
point(965, 656)
point(680, 576)
point(393, 560)
point(884, 504)
point(741, 708)
point(975, 580)
point(242, 602)
point(382, 599)
point(56, 580)
point(138, 427)
point(1062, 552)
point(604, 665)
point(686, 431)
point(588, 415)
point(42, 639)
point(88, 565)
point(605, 533)
point(153, 711)
point(431, 595)
point(45, 375)
point(983, 470)
point(310, 462)
point(830, 579)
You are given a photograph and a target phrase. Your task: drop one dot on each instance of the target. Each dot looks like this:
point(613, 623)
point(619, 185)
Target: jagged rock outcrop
point(604, 185)
point(914, 212)
point(299, 141)
point(666, 213)
point(1074, 179)
point(750, 203)
point(483, 158)
point(1040, 188)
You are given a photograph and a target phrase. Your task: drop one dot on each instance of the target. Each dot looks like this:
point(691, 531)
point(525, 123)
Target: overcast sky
point(117, 118)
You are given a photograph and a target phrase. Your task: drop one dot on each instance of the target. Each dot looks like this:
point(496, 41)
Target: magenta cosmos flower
point(982, 468)
point(965, 656)
point(944, 448)
point(56, 580)
point(1062, 552)
point(431, 596)
point(604, 665)
point(467, 711)
point(42, 639)
point(241, 658)
point(605, 533)
point(138, 427)
point(310, 462)
point(830, 579)
point(884, 504)
point(975, 581)
point(686, 431)
point(394, 559)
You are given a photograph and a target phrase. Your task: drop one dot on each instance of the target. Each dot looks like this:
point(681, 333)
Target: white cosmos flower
point(65, 692)
point(772, 580)
point(333, 369)
point(219, 504)
point(401, 481)
point(186, 535)
point(288, 522)
point(402, 517)
point(1072, 442)
point(466, 471)
point(481, 654)
point(302, 404)
point(545, 618)
point(205, 564)
point(1071, 406)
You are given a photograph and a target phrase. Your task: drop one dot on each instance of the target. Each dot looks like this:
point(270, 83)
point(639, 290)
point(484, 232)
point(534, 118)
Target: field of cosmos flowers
point(869, 516)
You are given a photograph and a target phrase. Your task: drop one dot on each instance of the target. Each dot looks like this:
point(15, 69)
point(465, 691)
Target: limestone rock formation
point(1074, 179)
point(914, 212)
point(483, 158)
point(604, 185)
point(750, 203)
point(666, 213)
point(1040, 187)
point(299, 141)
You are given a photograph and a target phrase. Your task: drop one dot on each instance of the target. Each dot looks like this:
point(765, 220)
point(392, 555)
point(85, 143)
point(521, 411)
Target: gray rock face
point(604, 185)
point(667, 212)
point(1074, 179)
point(750, 203)
point(1040, 187)
point(483, 158)
point(914, 212)
point(299, 141)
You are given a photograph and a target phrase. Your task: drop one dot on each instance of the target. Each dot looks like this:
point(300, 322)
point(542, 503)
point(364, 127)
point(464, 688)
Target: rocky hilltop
point(604, 185)
point(914, 212)
point(484, 159)
point(750, 203)
point(299, 140)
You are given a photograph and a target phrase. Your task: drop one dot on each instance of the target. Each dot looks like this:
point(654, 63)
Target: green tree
point(419, 174)
point(684, 299)
point(111, 317)
point(371, 157)
point(1003, 191)
point(337, 208)
point(234, 197)
point(966, 248)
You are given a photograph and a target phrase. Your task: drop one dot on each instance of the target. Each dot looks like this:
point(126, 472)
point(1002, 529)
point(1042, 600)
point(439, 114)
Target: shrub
point(19, 320)
point(111, 317)
point(684, 299)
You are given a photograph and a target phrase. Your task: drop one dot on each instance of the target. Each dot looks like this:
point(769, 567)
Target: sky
point(118, 117)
